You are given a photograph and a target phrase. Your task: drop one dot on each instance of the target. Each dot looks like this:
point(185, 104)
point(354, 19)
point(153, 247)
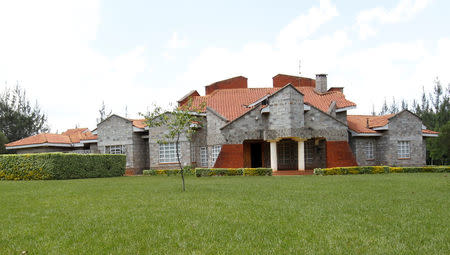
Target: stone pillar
point(273, 156)
point(301, 155)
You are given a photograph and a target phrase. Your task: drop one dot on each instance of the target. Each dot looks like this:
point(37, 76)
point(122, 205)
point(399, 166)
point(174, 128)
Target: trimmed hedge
point(203, 172)
point(379, 170)
point(58, 166)
point(169, 172)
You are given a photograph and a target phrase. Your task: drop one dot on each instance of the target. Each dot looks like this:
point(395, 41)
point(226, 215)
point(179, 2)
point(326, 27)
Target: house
point(298, 123)
point(77, 140)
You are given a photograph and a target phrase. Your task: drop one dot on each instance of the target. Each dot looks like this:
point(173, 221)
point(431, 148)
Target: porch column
point(273, 156)
point(301, 155)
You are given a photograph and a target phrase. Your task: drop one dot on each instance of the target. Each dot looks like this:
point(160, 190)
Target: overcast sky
point(72, 55)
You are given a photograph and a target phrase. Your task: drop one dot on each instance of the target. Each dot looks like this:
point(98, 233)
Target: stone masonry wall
point(358, 145)
point(405, 126)
point(116, 131)
point(286, 109)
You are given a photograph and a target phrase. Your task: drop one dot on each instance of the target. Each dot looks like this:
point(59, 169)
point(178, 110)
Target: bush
point(203, 172)
point(257, 171)
point(188, 170)
point(379, 170)
point(46, 166)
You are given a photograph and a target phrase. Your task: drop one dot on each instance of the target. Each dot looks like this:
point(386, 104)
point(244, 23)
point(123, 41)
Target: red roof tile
point(68, 137)
point(427, 131)
point(231, 103)
point(364, 123)
point(139, 123)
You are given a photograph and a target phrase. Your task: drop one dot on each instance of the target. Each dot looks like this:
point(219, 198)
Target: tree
point(440, 147)
point(104, 113)
point(18, 117)
point(179, 121)
point(394, 108)
point(404, 105)
point(384, 108)
point(3, 141)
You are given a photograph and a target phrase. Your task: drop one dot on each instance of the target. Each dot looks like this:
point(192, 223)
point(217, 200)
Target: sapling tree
point(178, 122)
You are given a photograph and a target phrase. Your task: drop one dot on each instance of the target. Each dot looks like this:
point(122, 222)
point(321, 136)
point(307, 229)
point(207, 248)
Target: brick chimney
point(239, 82)
point(321, 83)
point(281, 80)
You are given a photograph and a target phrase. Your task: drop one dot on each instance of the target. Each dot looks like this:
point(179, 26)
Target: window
point(309, 152)
point(215, 152)
point(167, 153)
point(203, 156)
point(193, 154)
point(403, 149)
point(115, 149)
point(369, 150)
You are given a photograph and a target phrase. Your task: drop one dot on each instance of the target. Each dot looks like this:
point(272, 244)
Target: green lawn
point(361, 214)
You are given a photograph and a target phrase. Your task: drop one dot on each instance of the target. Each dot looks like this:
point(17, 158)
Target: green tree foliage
point(179, 121)
point(3, 141)
point(18, 117)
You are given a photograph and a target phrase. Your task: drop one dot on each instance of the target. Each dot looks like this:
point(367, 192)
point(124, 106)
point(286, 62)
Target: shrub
point(44, 166)
point(203, 172)
point(188, 170)
point(379, 170)
point(257, 171)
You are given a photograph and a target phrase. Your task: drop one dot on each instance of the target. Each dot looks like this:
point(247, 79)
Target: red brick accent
point(129, 172)
point(186, 99)
point(339, 154)
point(239, 82)
point(230, 156)
point(281, 80)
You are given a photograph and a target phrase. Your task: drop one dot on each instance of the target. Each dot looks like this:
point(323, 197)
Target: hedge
point(187, 171)
point(379, 170)
point(203, 172)
point(58, 166)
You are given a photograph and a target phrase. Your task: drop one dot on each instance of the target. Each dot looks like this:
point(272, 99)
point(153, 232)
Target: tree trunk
point(179, 161)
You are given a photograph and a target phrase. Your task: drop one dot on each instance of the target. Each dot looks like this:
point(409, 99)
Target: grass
point(363, 214)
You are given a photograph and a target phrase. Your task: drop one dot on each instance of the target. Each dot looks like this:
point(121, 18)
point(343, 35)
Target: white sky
point(72, 55)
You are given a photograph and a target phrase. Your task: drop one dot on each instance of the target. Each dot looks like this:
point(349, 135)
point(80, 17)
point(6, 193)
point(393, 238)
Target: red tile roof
point(427, 131)
point(68, 137)
point(358, 123)
point(364, 123)
point(231, 103)
point(139, 123)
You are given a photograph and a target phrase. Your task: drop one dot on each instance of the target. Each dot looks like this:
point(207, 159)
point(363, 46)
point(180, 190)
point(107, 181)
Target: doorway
point(256, 155)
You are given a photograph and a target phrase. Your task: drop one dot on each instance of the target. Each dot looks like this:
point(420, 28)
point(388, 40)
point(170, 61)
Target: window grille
point(403, 149)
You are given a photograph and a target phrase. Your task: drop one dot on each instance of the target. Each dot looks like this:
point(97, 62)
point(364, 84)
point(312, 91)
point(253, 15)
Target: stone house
point(297, 124)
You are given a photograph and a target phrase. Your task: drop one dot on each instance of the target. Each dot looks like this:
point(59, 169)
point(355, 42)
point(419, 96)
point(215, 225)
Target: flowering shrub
point(379, 170)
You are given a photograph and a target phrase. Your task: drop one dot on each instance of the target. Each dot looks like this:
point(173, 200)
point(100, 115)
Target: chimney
point(321, 83)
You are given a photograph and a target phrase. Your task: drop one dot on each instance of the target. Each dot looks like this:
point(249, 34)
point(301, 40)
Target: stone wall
point(116, 130)
point(358, 145)
point(157, 134)
point(286, 109)
point(405, 126)
point(43, 150)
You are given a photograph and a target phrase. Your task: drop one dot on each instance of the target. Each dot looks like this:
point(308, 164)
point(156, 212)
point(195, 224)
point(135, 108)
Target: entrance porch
point(285, 154)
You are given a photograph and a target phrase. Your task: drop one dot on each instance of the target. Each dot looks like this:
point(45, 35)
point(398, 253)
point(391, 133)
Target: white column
point(301, 155)
point(273, 156)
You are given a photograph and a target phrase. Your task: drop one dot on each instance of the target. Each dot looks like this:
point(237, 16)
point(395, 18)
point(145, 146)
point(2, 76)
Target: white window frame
point(168, 153)
point(215, 152)
point(115, 149)
point(203, 156)
point(369, 151)
point(404, 149)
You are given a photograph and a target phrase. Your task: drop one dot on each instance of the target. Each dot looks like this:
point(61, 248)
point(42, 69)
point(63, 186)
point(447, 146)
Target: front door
point(287, 151)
